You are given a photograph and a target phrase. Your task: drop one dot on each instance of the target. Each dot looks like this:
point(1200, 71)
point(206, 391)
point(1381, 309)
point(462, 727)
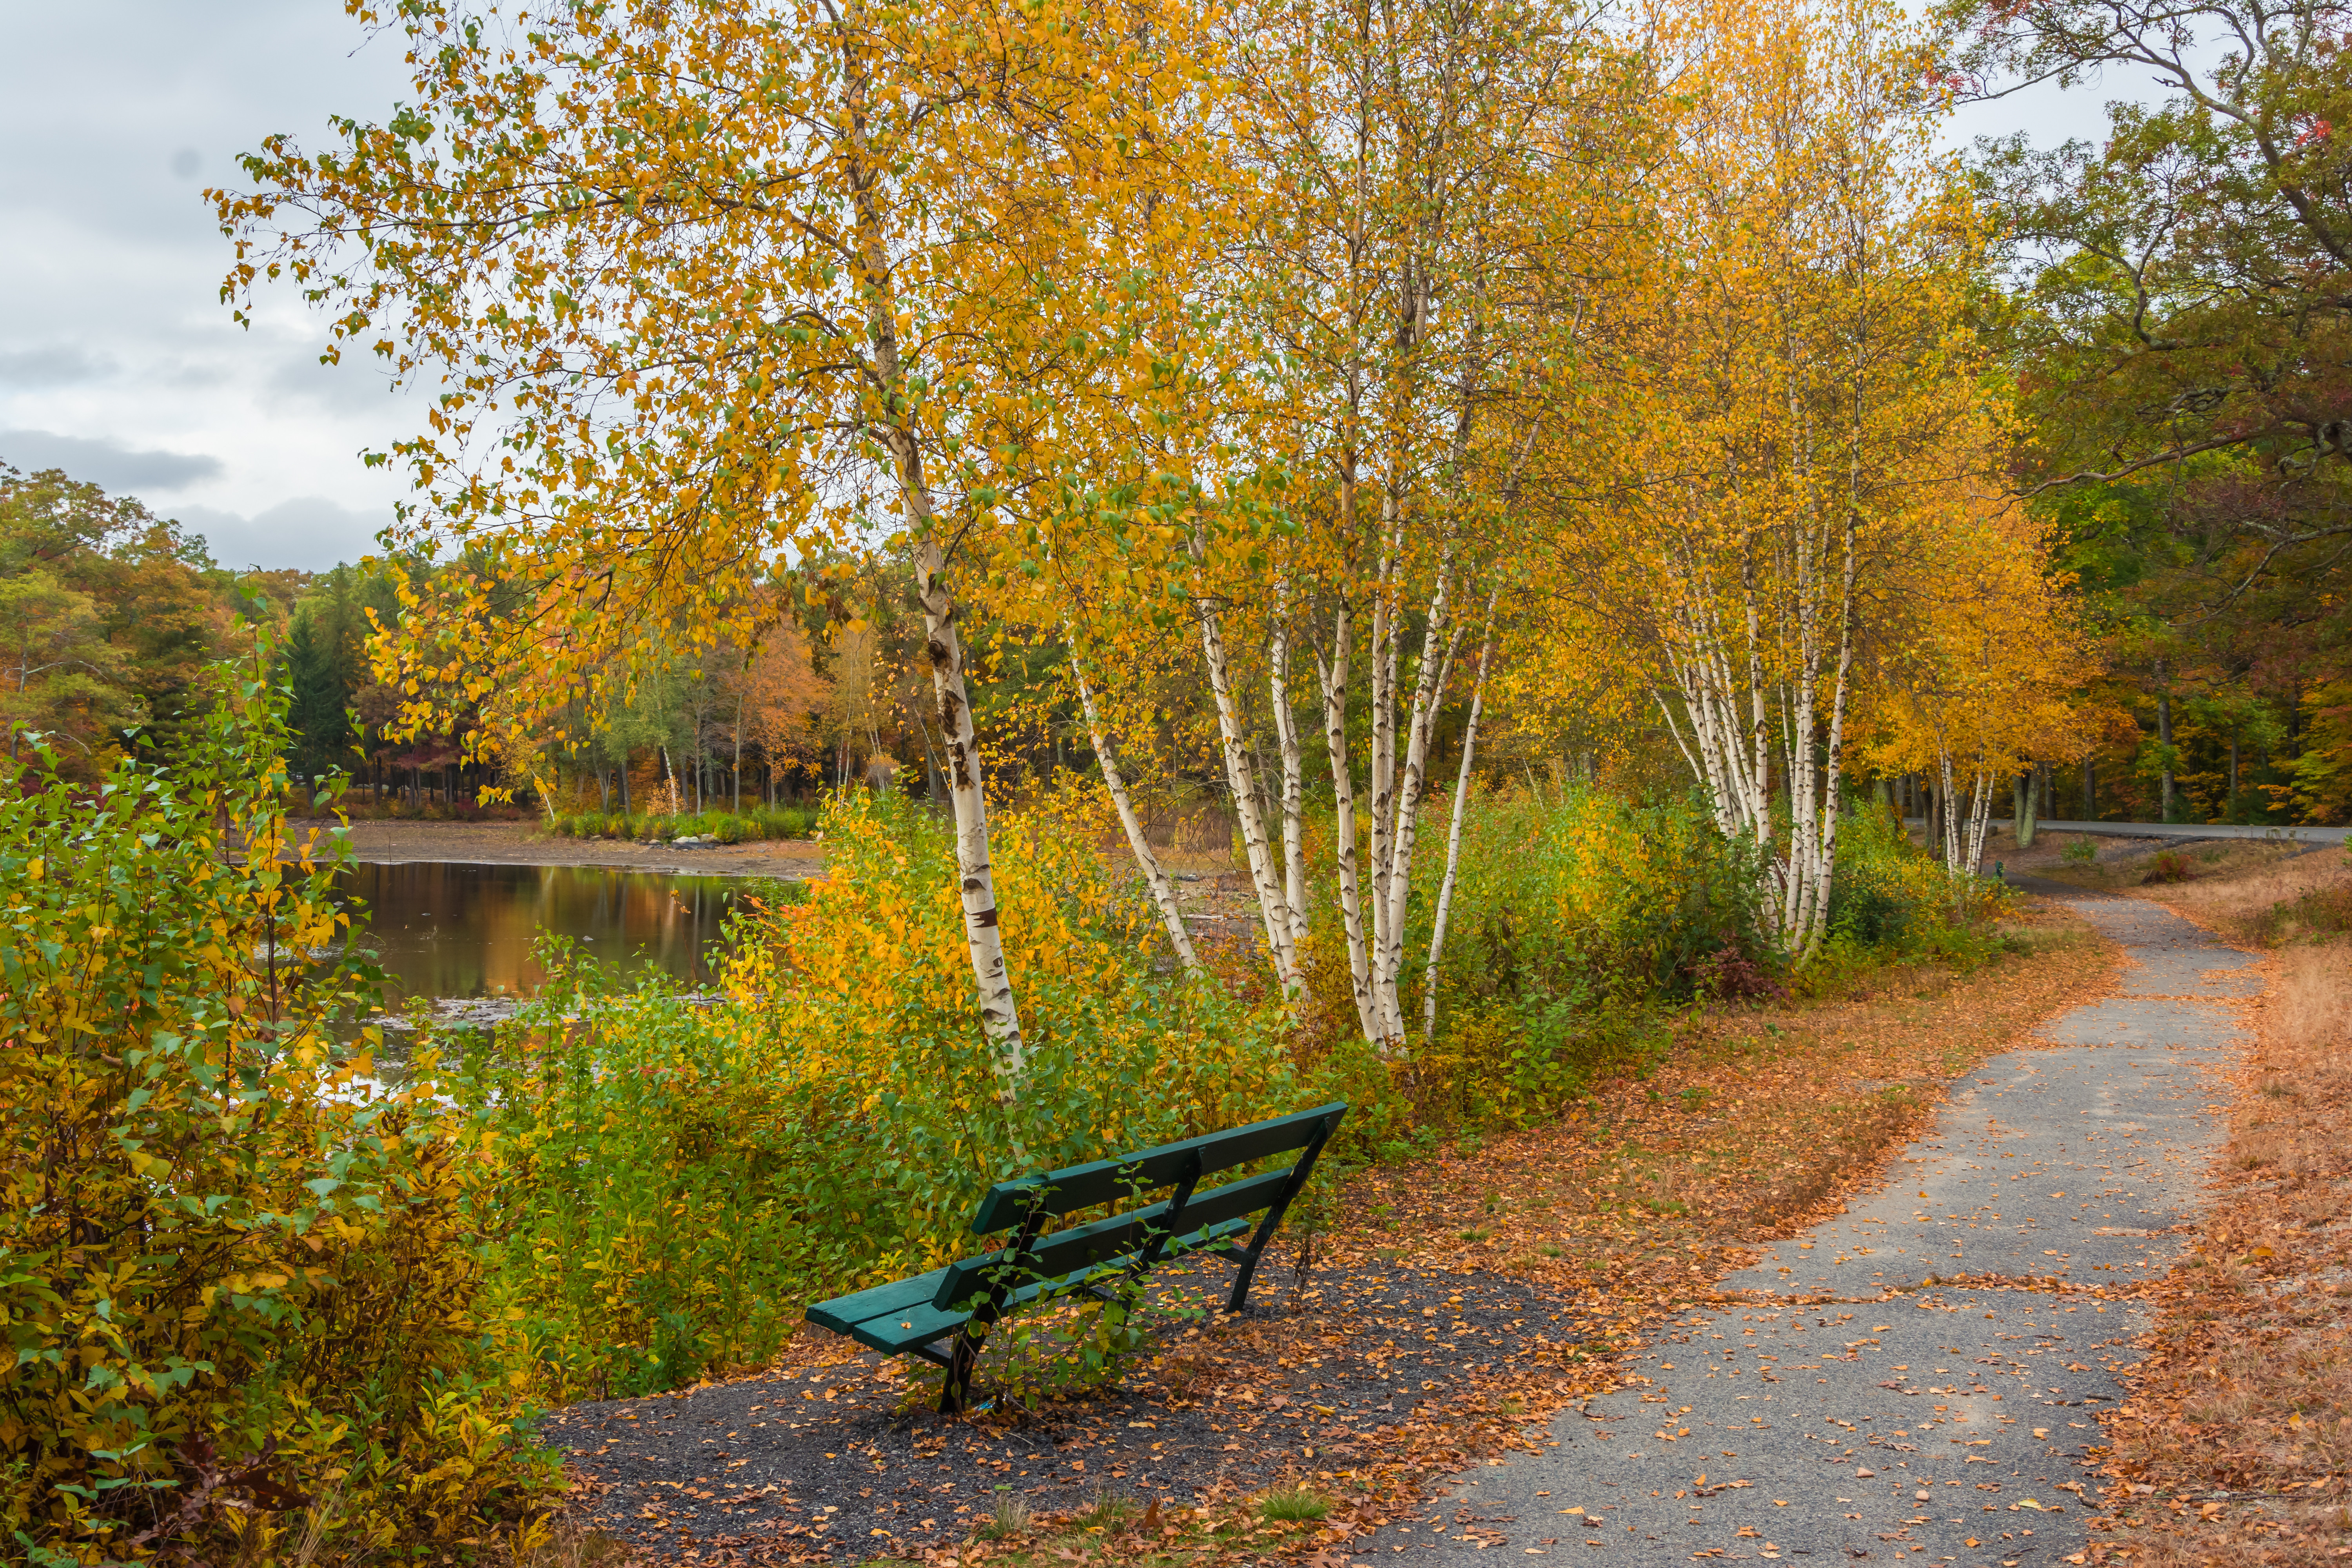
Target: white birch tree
point(700, 286)
point(1411, 157)
point(1799, 385)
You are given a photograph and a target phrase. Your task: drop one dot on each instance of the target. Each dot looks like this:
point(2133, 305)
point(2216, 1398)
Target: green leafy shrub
point(1517, 1060)
point(1883, 886)
point(1590, 896)
point(238, 1277)
point(1575, 918)
point(1892, 900)
point(680, 1179)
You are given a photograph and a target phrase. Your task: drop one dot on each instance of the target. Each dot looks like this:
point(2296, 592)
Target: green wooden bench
point(942, 1316)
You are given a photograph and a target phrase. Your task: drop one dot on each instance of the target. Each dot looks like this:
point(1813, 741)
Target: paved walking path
point(1895, 1391)
point(2195, 832)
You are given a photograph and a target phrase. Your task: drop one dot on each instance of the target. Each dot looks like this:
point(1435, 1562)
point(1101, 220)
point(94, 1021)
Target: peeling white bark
point(1409, 789)
point(975, 876)
point(886, 372)
point(1453, 834)
point(1743, 713)
point(1381, 661)
point(1155, 877)
point(1332, 671)
point(1241, 784)
point(1293, 782)
point(1964, 841)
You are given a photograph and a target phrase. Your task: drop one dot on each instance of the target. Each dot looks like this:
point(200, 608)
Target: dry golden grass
point(2237, 1444)
point(569, 1546)
point(2281, 901)
point(2133, 863)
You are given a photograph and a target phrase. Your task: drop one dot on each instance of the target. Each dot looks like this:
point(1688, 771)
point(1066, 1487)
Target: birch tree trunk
point(1979, 824)
point(1332, 672)
point(1163, 891)
point(1429, 688)
point(1964, 840)
point(943, 650)
point(889, 406)
point(1453, 834)
point(975, 878)
point(1380, 653)
point(1274, 911)
point(1824, 817)
point(1293, 783)
point(1724, 733)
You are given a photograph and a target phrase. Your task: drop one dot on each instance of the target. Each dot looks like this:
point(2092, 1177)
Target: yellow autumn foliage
point(240, 1294)
point(683, 1179)
point(869, 983)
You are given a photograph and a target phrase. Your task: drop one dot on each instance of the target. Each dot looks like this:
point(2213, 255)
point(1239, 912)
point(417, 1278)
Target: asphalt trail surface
point(1918, 1378)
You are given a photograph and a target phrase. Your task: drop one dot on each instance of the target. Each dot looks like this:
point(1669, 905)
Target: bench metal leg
point(1242, 1275)
point(1299, 1172)
point(964, 1354)
point(964, 1360)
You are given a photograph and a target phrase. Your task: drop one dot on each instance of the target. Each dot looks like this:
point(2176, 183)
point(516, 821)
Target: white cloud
point(310, 533)
point(354, 386)
point(105, 462)
point(53, 364)
point(117, 361)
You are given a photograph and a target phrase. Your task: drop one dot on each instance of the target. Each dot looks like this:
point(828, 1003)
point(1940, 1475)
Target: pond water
point(449, 930)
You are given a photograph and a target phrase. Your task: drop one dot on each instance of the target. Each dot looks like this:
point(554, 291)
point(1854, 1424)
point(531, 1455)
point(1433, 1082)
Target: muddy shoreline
point(527, 843)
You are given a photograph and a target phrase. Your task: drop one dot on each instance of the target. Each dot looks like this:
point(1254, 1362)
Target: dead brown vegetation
point(2271, 900)
point(2237, 1443)
point(2127, 863)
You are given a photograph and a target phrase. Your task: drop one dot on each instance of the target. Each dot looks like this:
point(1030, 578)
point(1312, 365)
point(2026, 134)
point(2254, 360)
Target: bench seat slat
point(1089, 1246)
point(901, 1328)
point(1080, 1246)
point(1223, 1151)
point(917, 1323)
point(1224, 1231)
point(1234, 1198)
point(843, 1314)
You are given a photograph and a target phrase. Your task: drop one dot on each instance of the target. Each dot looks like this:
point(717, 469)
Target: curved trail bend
point(1851, 1411)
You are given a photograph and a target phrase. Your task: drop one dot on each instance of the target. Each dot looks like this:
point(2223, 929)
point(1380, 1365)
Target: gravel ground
point(1889, 1415)
point(848, 1459)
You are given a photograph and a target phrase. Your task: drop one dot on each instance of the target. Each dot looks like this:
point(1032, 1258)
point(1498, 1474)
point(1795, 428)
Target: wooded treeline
point(2175, 311)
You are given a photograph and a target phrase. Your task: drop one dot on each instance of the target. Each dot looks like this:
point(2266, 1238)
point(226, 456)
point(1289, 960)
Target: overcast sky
point(119, 364)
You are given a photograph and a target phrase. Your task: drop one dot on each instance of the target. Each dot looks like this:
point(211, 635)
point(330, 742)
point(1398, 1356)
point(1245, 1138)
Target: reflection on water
point(450, 929)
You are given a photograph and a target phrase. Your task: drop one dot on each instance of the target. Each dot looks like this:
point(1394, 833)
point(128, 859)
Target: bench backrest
point(1127, 1176)
point(1027, 1203)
